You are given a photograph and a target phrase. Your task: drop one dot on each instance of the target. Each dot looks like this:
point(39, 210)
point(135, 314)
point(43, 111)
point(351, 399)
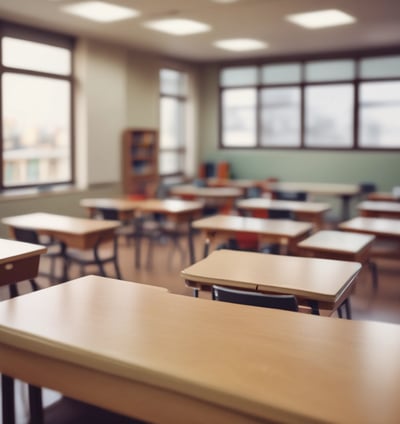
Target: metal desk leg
point(35, 405)
point(191, 243)
point(8, 402)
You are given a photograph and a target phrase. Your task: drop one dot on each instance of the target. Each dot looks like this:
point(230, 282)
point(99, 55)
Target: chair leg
point(348, 308)
point(34, 284)
point(8, 399)
point(13, 290)
point(374, 274)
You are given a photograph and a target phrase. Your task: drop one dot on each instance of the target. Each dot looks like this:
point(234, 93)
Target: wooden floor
point(168, 261)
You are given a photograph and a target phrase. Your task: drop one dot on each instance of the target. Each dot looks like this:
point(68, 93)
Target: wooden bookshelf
point(140, 161)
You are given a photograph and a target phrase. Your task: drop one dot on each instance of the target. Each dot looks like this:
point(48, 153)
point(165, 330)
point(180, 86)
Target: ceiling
point(378, 24)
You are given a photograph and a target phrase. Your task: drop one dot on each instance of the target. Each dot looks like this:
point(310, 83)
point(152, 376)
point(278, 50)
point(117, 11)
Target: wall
point(309, 166)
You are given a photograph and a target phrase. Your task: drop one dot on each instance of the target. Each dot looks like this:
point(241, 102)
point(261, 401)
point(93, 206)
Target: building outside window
point(36, 108)
point(341, 103)
point(173, 98)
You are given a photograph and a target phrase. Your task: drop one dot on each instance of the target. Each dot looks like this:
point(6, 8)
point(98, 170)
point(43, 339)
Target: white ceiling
point(378, 24)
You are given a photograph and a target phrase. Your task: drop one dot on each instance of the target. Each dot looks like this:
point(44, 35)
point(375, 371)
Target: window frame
point(22, 32)
point(354, 55)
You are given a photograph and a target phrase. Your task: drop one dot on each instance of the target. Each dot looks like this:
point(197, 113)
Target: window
point(173, 88)
point(341, 103)
point(36, 112)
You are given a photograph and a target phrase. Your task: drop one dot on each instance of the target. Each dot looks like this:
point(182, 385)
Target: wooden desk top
point(206, 192)
point(378, 226)
point(59, 223)
point(119, 204)
point(337, 242)
point(138, 353)
point(378, 206)
point(228, 182)
point(383, 196)
point(264, 203)
point(11, 250)
point(276, 227)
point(317, 188)
point(317, 279)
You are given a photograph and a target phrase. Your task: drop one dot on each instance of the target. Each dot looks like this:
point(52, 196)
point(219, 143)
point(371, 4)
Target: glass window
point(280, 117)
point(329, 70)
point(329, 116)
point(379, 115)
point(240, 76)
point(380, 67)
point(36, 112)
point(173, 87)
point(239, 117)
point(281, 74)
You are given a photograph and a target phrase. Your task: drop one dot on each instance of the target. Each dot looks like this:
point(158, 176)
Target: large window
point(343, 103)
point(173, 92)
point(36, 108)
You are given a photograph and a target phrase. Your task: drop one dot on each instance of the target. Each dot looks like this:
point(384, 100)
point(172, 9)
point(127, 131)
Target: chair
point(54, 250)
point(290, 195)
point(274, 301)
point(367, 187)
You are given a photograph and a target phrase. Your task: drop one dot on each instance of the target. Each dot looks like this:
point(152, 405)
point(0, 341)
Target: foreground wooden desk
point(303, 211)
point(72, 232)
point(375, 209)
point(167, 358)
point(320, 283)
point(281, 231)
point(344, 191)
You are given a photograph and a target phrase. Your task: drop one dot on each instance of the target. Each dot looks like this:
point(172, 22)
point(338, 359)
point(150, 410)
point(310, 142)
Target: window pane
point(24, 54)
point(239, 118)
point(380, 67)
point(329, 116)
point(329, 70)
point(172, 123)
point(36, 130)
point(281, 74)
point(173, 82)
point(280, 117)
point(379, 115)
point(170, 163)
point(244, 75)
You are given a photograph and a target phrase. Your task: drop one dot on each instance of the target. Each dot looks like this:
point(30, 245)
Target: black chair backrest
point(253, 192)
point(274, 301)
point(111, 214)
point(367, 187)
point(28, 236)
point(280, 214)
point(290, 195)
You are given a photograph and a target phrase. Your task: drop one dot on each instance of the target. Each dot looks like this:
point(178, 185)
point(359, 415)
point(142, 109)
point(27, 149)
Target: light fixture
point(178, 26)
point(100, 11)
point(241, 44)
point(321, 18)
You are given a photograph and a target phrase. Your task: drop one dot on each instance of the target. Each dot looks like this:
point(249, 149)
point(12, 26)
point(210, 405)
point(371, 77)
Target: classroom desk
point(303, 211)
point(344, 191)
point(345, 246)
point(322, 284)
point(381, 209)
point(167, 358)
point(178, 211)
point(384, 229)
point(383, 196)
point(282, 231)
point(78, 233)
point(219, 197)
point(18, 261)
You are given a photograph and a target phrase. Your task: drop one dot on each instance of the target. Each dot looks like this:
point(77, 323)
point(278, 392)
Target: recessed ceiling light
point(321, 18)
point(178, 26)
point(100, 11)
point(241, 44)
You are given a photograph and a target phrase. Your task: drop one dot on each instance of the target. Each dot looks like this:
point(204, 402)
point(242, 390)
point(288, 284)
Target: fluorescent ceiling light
point(241, 44)
point(178, 26)
point(100, 11)
point(321, 18)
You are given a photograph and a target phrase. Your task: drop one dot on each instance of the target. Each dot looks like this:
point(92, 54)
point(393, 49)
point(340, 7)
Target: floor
point(168, 261)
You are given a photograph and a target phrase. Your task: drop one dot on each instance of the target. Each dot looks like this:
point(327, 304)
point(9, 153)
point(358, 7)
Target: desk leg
point(8, 402)
point(35, 405)
point(138, 240)
point(345, 207)
point(64, 275)
point(191, 243)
